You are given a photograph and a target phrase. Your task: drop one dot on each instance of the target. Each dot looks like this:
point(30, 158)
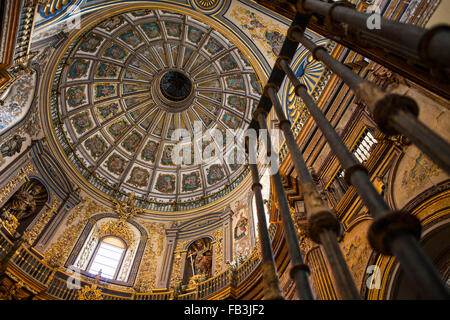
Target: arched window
point(110, 245)
point(108, 257)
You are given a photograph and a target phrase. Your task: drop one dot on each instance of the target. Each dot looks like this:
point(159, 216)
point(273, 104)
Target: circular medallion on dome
point(134, 78)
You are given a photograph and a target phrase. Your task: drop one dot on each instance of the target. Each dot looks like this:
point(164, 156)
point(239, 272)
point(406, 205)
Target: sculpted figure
point(203, 262)
point(12, 146)
point(23, 203)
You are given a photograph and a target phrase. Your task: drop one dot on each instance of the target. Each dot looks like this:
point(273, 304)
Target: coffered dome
point(129, 82)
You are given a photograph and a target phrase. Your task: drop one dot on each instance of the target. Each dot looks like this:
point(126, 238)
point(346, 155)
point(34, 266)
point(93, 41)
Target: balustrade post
point(7, 258)
point(300, 271)
point(431, 46)
point(392, 232)
point(323, 226)
point(272, 290)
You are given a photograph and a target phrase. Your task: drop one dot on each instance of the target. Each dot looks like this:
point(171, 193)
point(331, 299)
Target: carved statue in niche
point(203, 262)
point(198, 260)
point(24, 204)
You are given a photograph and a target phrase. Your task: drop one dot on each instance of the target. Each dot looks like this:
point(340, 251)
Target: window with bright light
point(363, 147)
point(265, 192)
point(107, 257)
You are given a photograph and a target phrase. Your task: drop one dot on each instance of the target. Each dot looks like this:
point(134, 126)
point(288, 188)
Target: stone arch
point(105, 224)
point(431, 208)
point(436, 246)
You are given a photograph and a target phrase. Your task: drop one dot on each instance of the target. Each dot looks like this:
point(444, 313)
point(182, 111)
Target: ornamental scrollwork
point(32, 235)
point(306, 244)
point(147, 272)
point(60, 250)
point(90, 292)
point(118, 228)
point(16, 180)
point(219, 261)
point(9, 222)
point(176, 268)
point(126, 209)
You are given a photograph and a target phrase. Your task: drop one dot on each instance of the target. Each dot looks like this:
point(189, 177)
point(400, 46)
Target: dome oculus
point(175, 86)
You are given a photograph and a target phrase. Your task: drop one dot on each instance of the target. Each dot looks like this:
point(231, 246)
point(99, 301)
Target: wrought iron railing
point(392, 232)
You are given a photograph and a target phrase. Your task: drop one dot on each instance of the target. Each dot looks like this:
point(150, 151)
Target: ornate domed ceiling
point(129, 82)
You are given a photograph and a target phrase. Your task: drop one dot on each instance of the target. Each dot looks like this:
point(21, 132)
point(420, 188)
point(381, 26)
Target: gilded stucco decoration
point(50, 211)
point(175, 276)
point(306, 244)
point(219, 262)
point(118, 228)
point(146, 279)
point(13, 292)
point(90, 292)
point(51, 7)
point(9, 222)
point(126, 209)
point(241, 229)
point(59, 251)
point(105, 227)
point(195, 280)
point(16, 180)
